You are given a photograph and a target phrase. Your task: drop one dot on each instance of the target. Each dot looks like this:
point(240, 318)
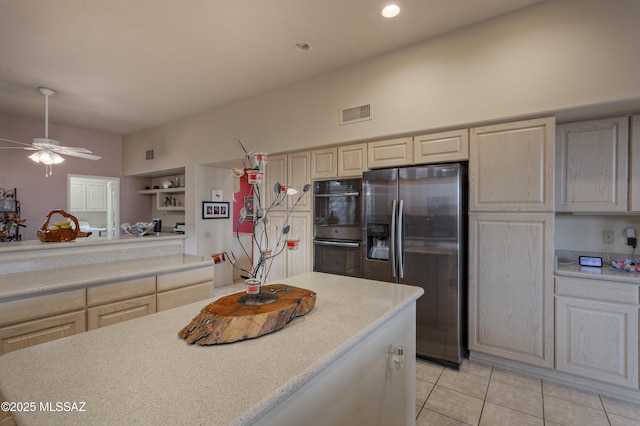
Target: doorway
point(94, 201)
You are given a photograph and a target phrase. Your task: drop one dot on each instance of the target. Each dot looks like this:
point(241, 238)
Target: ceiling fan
point(48, 150)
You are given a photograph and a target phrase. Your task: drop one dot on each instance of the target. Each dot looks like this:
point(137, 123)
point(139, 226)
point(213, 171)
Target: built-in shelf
point(162, 191)
point(161, 197)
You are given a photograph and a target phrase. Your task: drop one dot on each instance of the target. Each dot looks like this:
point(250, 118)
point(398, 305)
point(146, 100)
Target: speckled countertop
point(140, 372)
point(607, 273)
point(67, 278)
point(29, 245)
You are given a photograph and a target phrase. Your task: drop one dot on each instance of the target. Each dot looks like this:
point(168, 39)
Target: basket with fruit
point(59, 231)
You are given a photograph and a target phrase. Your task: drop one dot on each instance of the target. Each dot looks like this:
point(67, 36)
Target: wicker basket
point(58, 235)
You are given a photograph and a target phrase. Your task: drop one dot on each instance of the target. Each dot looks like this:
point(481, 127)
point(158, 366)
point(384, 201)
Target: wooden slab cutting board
point(227, 320)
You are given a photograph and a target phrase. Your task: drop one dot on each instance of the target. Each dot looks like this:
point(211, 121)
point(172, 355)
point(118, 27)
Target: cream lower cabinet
point(184, 287)
point(34, 320)
point(597, 330)
point(511, 286)
point(42, 330)
point(121, 301)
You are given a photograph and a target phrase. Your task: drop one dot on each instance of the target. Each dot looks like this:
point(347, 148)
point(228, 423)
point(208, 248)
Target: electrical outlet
point(607, 237)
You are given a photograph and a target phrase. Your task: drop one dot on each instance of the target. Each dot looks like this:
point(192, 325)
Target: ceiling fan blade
point(18, 147)
point(19, 143)
point(79, 155)
point(73, 149)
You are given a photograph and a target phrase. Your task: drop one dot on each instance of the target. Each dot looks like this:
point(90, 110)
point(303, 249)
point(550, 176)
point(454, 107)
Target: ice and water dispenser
point(378, 241)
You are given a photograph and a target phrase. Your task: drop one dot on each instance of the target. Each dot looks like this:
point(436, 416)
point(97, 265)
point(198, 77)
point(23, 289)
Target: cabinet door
point(511, 286)
point(32, 333)
point(299, 175)
point(592, 159)
point(441, 147)
point(634, 181)
point(324, 163)
point(390, 153)
point(124, 310)
point(96, 197)
point(276, 172)
point(77, 197)
point(597, 340)
point(300, 261)
point(352, 160)
point(276, 266)
point(511, 166)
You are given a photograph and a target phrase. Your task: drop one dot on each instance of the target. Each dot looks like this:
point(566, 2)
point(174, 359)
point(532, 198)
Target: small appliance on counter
point(157, 225)
point(179, 228)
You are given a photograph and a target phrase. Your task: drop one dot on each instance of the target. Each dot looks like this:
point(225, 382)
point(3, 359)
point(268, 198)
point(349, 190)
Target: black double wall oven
point(337, 230)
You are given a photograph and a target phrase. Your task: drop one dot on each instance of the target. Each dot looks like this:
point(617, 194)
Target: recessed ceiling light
point(390, 10)
point(302, 47)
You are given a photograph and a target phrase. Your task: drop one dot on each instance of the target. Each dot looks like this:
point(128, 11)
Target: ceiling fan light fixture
point(46, 157)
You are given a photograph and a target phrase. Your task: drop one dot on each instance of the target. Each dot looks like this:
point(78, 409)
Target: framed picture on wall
point(215, 210)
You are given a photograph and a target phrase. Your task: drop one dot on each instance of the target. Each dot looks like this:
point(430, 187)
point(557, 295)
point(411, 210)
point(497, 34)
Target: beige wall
point(556, 56)
point(553, 56)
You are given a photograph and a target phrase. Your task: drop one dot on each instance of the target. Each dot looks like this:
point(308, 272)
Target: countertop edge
point(103, 279)
point(35, 245)
point(285, 391)
point(606, 273)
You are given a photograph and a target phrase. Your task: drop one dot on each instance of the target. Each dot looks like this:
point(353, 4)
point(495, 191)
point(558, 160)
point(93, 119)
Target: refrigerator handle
point(392, 241)
point(400, 246)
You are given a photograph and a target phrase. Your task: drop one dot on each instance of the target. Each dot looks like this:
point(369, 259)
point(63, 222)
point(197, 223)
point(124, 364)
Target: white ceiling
point(120, 66)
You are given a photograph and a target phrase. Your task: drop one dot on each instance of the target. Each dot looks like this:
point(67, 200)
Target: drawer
point(41, 306)
point(120, 290)
point(184, 278)
point(124, 310)
point(598, 290)
point(31, 333)
point(184, 296)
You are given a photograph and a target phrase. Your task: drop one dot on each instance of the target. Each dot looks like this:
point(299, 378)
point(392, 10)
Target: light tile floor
point(477, 394)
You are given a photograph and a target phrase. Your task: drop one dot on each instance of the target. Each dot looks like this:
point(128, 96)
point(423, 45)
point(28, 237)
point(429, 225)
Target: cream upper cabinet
point(275, 171)
point(292, 170)
point(390, 153)
point(597, 330)
point(343, 161)
point(634, 181)
point(352, 160)
point(299, 174)
point(87, 196)
point(441, 147)
point(324, 163)
point(511, 166)
point(592, 158)
point(511, 286)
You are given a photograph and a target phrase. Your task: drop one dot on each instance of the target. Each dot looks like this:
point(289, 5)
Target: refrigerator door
point(433, 229)
point(380, 189)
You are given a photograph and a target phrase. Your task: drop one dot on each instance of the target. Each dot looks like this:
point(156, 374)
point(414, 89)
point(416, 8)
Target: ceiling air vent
point(148, 155)
point(355, 114)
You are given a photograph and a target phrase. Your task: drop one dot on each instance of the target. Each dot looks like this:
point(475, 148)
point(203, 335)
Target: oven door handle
point(336, 244)
point(338, 194)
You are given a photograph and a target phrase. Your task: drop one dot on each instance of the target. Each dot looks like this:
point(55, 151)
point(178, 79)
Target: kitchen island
point(330, 366)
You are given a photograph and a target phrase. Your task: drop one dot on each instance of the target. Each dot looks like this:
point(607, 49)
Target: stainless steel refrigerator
point(414, 232)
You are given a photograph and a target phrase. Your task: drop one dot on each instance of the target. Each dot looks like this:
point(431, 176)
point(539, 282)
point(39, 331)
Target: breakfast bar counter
point(335, 365)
